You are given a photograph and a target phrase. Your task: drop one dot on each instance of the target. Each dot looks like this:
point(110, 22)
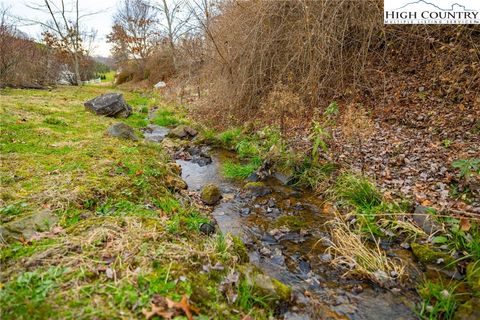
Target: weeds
point(358, 192)
point(467, 167)
point(439, 300)
point(238, 171)
point(228, 138)
point(26, 296)
point(165, 118)
point(247, 299)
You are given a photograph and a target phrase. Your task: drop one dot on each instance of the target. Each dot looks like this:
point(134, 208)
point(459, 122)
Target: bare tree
point(134, 34)
point(64, 29)
point(175, 22)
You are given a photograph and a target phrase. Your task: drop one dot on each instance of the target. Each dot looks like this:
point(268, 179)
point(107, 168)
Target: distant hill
point(105, 60)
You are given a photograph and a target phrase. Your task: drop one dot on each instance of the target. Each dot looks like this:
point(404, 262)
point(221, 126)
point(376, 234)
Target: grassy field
point(117, 235)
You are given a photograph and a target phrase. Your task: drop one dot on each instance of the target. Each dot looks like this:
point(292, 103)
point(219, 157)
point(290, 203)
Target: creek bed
point(287, 238)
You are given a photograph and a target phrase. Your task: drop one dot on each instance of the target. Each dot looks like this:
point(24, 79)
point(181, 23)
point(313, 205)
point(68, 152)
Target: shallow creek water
point(296, 257)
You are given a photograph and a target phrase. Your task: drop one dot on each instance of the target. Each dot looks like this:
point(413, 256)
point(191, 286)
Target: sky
point(101, 22)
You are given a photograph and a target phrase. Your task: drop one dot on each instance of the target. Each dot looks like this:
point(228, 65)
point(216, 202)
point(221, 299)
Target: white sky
point(101, 22)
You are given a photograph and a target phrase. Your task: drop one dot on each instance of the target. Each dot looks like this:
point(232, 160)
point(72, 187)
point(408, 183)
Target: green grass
point(358, 192)
point(165, 118)
point(315, 176)
point(116, 210)
point(109, 76)
point(439, 301)
point(228, 138)
point(247, 298)
point(233, 170)
point(26, 296)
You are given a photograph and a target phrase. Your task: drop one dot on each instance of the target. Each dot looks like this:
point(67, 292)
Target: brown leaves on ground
point(168, 309)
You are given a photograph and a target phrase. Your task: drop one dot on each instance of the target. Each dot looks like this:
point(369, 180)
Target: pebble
point(405, 245)
point(207, 228)
point(271, 203)
point(265, 251)
point(357, 289)
point(326, 257)
point(245, 212)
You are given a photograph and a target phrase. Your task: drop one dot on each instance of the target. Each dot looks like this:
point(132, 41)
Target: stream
point(298, 255)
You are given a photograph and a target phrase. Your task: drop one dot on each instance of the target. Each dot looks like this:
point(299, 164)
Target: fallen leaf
point(184, 305)
point(426, 203)
point(465, 224)
point(157, 311)
point(109, 273)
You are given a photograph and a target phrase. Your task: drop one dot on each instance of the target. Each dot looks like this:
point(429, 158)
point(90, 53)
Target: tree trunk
point(77, 70)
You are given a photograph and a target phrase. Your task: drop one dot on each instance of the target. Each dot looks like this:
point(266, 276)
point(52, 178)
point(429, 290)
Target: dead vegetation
point(320, 51)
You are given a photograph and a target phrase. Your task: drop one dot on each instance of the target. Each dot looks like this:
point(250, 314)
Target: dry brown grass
point(320, 51)
point(352, 251)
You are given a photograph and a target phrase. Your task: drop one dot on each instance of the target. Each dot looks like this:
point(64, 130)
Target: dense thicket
point(321, 50)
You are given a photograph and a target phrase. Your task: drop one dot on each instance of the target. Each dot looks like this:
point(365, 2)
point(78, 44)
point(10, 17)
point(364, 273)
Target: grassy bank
point(114, 234)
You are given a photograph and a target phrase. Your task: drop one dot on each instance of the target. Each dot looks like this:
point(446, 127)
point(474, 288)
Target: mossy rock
point(121, 130)
point(427, 254)
point(182, 132)
point(263, 284)
point(258, 188)
point(293, 223)
point(175, 183)
point(175, 168)
point(240, 250)
point(210, 194)
point(26, 226)
point(473, 277)
point(468, 311)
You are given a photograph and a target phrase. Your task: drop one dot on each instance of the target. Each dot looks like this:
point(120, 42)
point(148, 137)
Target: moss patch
point(428, 254)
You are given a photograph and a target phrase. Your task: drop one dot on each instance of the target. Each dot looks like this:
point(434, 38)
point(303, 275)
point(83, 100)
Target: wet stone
point(304, 266)
point(326, 257)
point(278, 259)
point(154, 133)
point(207, 228)
point(245, 212)
point(268, 239)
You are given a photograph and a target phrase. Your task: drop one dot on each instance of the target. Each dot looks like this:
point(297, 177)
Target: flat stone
point(26, 226)
point(121, 130)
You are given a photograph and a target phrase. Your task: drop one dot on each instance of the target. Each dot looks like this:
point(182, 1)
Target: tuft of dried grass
point(362, 258)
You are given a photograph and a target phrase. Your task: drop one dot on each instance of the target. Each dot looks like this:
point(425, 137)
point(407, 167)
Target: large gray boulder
point(109, 105)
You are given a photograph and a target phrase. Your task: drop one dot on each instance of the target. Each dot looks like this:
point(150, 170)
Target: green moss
point(254, 184)
point(262, 284)
point(283, 291)
point(210, 194)
point(294, 223)
point(473, 277)
point(240, 249)
point(468, 310)
point(428, 254)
